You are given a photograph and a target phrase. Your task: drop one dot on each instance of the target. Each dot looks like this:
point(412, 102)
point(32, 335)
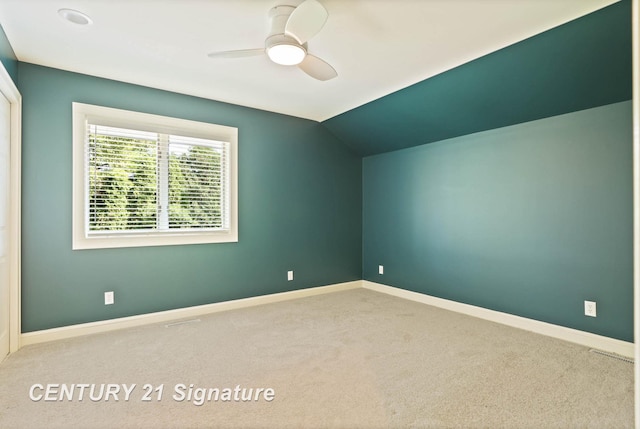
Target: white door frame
point(635, 43)
point(11, 93)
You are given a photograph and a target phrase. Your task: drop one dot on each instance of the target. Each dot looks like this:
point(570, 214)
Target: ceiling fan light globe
point(286, 54)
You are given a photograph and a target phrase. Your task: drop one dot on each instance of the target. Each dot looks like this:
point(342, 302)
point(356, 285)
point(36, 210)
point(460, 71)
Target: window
point(148, 180)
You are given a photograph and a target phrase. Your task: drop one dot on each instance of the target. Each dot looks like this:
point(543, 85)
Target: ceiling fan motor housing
point(279, 16)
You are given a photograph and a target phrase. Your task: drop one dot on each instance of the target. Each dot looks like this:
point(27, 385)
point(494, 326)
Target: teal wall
point(299, 208)
point(530, 219)
point(7, 56)
point(582, 64)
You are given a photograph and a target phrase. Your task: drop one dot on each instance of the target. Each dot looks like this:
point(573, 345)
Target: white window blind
point(138, 182)
point(198, 183)
point(141, 181)
point(122, 176)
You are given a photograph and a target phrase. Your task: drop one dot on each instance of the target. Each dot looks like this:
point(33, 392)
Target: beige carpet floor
point(353, 359)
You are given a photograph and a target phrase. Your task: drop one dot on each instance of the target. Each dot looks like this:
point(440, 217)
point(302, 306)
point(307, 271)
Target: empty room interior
point(318, 213)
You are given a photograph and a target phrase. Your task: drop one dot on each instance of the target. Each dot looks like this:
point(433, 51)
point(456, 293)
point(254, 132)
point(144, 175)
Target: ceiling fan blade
point(237, 54)
point(306, 21)
point(317, 68)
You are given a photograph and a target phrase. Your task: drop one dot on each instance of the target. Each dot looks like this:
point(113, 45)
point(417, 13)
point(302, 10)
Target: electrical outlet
point(380, 269)
point(109, 298)
point(289, 276)
point(590, 308)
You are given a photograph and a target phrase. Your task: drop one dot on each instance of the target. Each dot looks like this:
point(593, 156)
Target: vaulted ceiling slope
point(376, 46)
point(582, 64)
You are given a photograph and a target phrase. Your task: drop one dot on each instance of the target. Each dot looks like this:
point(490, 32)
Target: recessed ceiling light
point(75, 17)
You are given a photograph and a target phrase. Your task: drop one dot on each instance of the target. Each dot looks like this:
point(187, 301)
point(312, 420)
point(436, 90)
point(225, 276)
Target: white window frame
point(86, 113)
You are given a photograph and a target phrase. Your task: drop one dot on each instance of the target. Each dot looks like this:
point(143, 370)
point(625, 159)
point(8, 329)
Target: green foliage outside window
point(124, 185)
point(195, 188)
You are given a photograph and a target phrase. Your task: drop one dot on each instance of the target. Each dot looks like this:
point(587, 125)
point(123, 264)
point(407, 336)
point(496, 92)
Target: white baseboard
point(587, 339)
point(177, 314)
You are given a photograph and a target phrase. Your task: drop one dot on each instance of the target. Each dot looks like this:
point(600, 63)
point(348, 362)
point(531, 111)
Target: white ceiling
point(376, 46)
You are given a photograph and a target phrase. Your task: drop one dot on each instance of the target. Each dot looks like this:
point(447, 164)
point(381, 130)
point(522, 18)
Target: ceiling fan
point(291, 28)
